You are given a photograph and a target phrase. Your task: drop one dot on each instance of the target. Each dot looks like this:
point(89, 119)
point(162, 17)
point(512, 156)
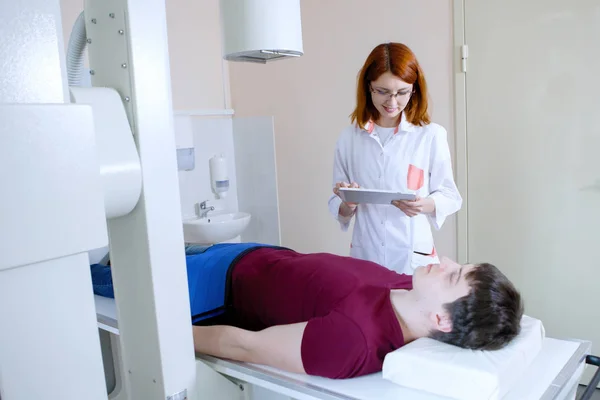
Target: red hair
point(398, 59)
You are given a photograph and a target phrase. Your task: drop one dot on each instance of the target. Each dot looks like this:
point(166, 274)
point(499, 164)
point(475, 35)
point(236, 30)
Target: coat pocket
point(415, 178)
point(422, 235)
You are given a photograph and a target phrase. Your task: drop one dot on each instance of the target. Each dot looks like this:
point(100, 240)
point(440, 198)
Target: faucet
point(205, 209)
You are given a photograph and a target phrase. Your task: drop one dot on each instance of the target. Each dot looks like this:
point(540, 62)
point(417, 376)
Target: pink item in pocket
point(433, 253)
point(415, 178)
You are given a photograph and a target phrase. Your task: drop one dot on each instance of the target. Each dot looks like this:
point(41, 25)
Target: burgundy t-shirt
point(346, 301)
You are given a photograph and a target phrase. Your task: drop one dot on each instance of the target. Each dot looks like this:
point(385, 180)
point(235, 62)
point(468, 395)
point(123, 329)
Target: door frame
point(460, 130)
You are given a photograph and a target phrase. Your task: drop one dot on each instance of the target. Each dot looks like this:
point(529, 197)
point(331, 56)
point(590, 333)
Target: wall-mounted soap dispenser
point(219, 177)
point(184, 141)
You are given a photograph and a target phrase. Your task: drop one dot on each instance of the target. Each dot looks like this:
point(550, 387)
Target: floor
point(581, 389)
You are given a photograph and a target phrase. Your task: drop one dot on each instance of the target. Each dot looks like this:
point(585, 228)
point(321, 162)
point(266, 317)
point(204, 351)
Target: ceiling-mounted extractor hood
point(261, 30)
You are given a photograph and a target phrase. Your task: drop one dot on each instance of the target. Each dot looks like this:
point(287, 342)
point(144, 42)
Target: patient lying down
point(337, 317)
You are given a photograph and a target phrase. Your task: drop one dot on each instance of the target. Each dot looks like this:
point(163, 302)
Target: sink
point(215, 228)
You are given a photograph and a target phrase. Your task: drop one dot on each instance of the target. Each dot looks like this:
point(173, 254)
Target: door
point(533, 146)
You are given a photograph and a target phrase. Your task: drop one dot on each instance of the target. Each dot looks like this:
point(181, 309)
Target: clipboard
point(373, 196)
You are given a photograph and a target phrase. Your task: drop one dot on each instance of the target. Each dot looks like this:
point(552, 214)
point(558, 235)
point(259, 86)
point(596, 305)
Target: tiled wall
point(211, 136)
point(248, 144)
point(254, 141)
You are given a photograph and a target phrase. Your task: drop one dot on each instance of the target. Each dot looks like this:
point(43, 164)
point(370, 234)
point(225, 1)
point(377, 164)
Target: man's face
point(439, 284)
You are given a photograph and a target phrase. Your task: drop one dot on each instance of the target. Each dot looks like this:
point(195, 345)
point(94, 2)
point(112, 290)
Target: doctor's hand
point(346, 209)
point(415, 207)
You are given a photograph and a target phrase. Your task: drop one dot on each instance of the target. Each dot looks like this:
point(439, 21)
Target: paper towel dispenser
point(261, 30)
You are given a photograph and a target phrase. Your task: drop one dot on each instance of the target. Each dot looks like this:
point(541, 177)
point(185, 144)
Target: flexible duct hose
point(77, 42)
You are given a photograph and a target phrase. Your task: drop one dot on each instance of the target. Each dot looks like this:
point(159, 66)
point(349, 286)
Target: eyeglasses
point(386, 93)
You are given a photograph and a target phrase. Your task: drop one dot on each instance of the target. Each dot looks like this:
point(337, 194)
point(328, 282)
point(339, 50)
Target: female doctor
point(393, 145)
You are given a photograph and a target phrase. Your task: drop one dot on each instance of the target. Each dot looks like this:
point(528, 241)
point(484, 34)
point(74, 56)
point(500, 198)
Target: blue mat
point(208, 272)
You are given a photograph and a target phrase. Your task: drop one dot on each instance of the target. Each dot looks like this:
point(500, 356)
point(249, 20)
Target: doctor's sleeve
point(442, 187)
point(339, 175)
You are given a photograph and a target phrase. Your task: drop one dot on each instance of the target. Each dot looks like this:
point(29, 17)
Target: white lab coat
point(415, 157)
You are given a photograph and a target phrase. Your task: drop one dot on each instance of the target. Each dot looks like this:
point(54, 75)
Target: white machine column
point(127, 49)
point(51, 214)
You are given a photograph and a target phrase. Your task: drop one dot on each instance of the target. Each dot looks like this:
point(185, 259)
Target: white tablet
point(373, 196)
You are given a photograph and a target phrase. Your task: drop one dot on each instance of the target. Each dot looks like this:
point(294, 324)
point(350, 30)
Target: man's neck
point(410, 315)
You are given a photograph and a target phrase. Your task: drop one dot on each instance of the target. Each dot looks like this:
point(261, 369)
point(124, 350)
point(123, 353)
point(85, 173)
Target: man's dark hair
point(489, 317)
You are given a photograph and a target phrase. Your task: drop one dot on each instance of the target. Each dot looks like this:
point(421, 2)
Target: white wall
point(312, 96)
point(198, 74)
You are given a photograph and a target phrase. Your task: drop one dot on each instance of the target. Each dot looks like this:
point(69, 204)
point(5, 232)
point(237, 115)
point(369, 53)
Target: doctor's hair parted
point(399, 60)
point(489, 317)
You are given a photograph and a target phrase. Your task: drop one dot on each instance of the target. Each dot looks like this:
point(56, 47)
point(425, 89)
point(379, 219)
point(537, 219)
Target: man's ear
point(442, 321)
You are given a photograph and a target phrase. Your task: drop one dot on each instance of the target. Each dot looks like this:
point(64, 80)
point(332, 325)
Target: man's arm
point(277, 346)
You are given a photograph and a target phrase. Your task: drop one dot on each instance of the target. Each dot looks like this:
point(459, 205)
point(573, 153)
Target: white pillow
point(432, 366)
